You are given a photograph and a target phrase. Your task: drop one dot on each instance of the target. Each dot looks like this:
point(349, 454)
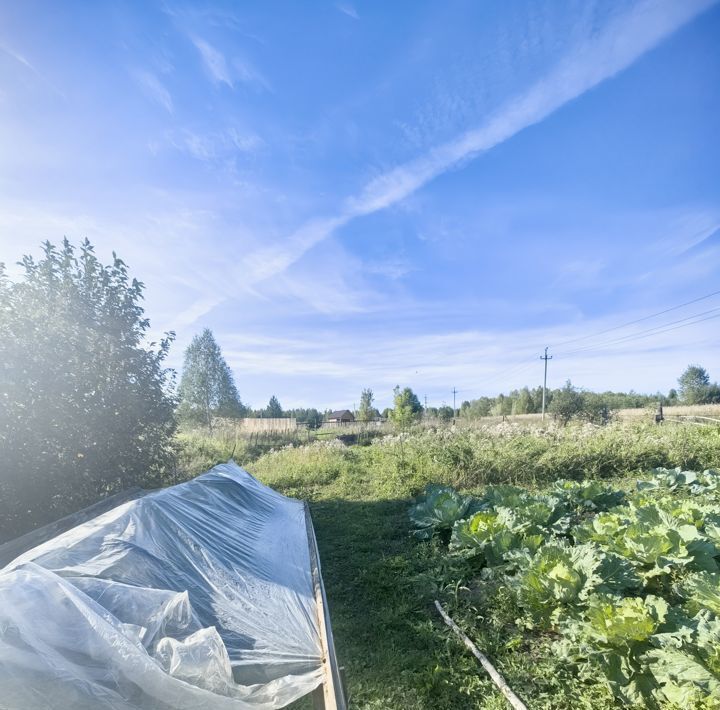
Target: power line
point(684, 322)
point(677, 327)
point(638, 320)
point(514, 369)
point(656, 330)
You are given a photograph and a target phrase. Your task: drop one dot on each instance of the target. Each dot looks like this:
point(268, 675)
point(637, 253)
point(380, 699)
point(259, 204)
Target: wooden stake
point(492, 672)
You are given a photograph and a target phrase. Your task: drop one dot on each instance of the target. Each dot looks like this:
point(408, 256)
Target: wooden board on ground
point(331, 696)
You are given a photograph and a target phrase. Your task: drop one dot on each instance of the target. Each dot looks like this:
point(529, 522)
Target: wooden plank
point(484, 661)
point(333, 695)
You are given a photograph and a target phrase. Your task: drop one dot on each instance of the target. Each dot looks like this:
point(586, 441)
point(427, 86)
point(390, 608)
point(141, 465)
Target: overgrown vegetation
point(401, 465)
point(381, 580)
point(627, 589)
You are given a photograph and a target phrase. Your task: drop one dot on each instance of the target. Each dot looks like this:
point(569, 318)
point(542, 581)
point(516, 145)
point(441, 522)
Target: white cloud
point(348, 9)
point(21, 59)
point(688, 230)
point(214, 62)
point(236, 70)
point(601, 57)
point(210, 147)
point(193, 313)
point(153, 88)
point(477, 362)
point(18, 58)
point(246, 73)
point(393, 269)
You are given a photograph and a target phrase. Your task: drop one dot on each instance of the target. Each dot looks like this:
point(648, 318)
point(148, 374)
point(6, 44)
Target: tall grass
point(197, 450)
point(401, 465)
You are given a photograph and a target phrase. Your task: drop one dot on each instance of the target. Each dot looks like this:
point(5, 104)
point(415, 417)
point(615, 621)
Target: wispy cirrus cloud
point(222, 71)
point(21, 59)
point(348, 9)
point(600, 57)
point(214, 62)
point(475, 361)
point(214, 146)
point(154, 89)
point(247, 73)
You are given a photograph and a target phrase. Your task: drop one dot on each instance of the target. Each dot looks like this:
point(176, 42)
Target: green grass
point(395, 650)
point(381, 583)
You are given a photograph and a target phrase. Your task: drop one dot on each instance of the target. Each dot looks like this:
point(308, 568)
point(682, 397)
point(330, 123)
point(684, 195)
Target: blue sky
point(357, 194)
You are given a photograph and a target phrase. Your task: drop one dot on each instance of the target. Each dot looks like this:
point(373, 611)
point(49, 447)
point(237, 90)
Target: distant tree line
point(529, 401)
point(218, 397)
point(694, 388)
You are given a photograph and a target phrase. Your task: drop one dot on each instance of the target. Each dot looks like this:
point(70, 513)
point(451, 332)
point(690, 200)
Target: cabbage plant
point(437, 511)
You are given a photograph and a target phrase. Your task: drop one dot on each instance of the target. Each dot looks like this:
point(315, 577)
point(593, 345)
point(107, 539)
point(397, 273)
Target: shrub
point(85, 410)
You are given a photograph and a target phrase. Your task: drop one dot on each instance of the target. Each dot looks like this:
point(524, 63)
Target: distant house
point(342, 416)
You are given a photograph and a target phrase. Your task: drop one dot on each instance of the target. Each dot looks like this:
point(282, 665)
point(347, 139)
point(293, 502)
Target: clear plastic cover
point(195, 597)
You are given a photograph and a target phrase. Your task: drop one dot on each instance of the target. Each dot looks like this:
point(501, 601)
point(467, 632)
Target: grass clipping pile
point(626, 584)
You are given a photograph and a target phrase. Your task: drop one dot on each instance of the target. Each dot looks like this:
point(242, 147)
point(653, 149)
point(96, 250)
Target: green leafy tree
point(595, 408)
point(366, 412)
point(694, 384)
point(314, 419)
point(712, 394)
point(502, 406)
point(207, 388)
point(523, 402)
point(567, 403)
point(406, 408)
point(86, 409)
point(273, 409)
point(537, 398)
point(479, 408)
point(445, 413)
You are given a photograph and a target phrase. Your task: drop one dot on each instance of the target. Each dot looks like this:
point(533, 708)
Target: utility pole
point(454, 410)
point(425, 403)
point(545, 357)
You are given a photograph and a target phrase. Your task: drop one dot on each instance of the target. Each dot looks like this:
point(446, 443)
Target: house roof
point(339, 414)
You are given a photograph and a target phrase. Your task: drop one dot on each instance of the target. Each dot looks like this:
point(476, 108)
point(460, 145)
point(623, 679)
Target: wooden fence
point(260, 425)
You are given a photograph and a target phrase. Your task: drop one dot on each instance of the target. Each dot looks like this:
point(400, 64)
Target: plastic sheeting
point(195, 597)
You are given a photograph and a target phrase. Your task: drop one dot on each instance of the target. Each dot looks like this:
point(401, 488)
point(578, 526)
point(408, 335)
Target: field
point(381, 581)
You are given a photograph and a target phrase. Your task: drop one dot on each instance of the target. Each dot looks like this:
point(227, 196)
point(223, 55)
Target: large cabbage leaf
point(677, 480)
point(613, 635)
point(556, 577)
point(656, 541)
point(588, 495)
point(438, 510)
point(491, 534)
point(701, 591)
point(687, 666)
